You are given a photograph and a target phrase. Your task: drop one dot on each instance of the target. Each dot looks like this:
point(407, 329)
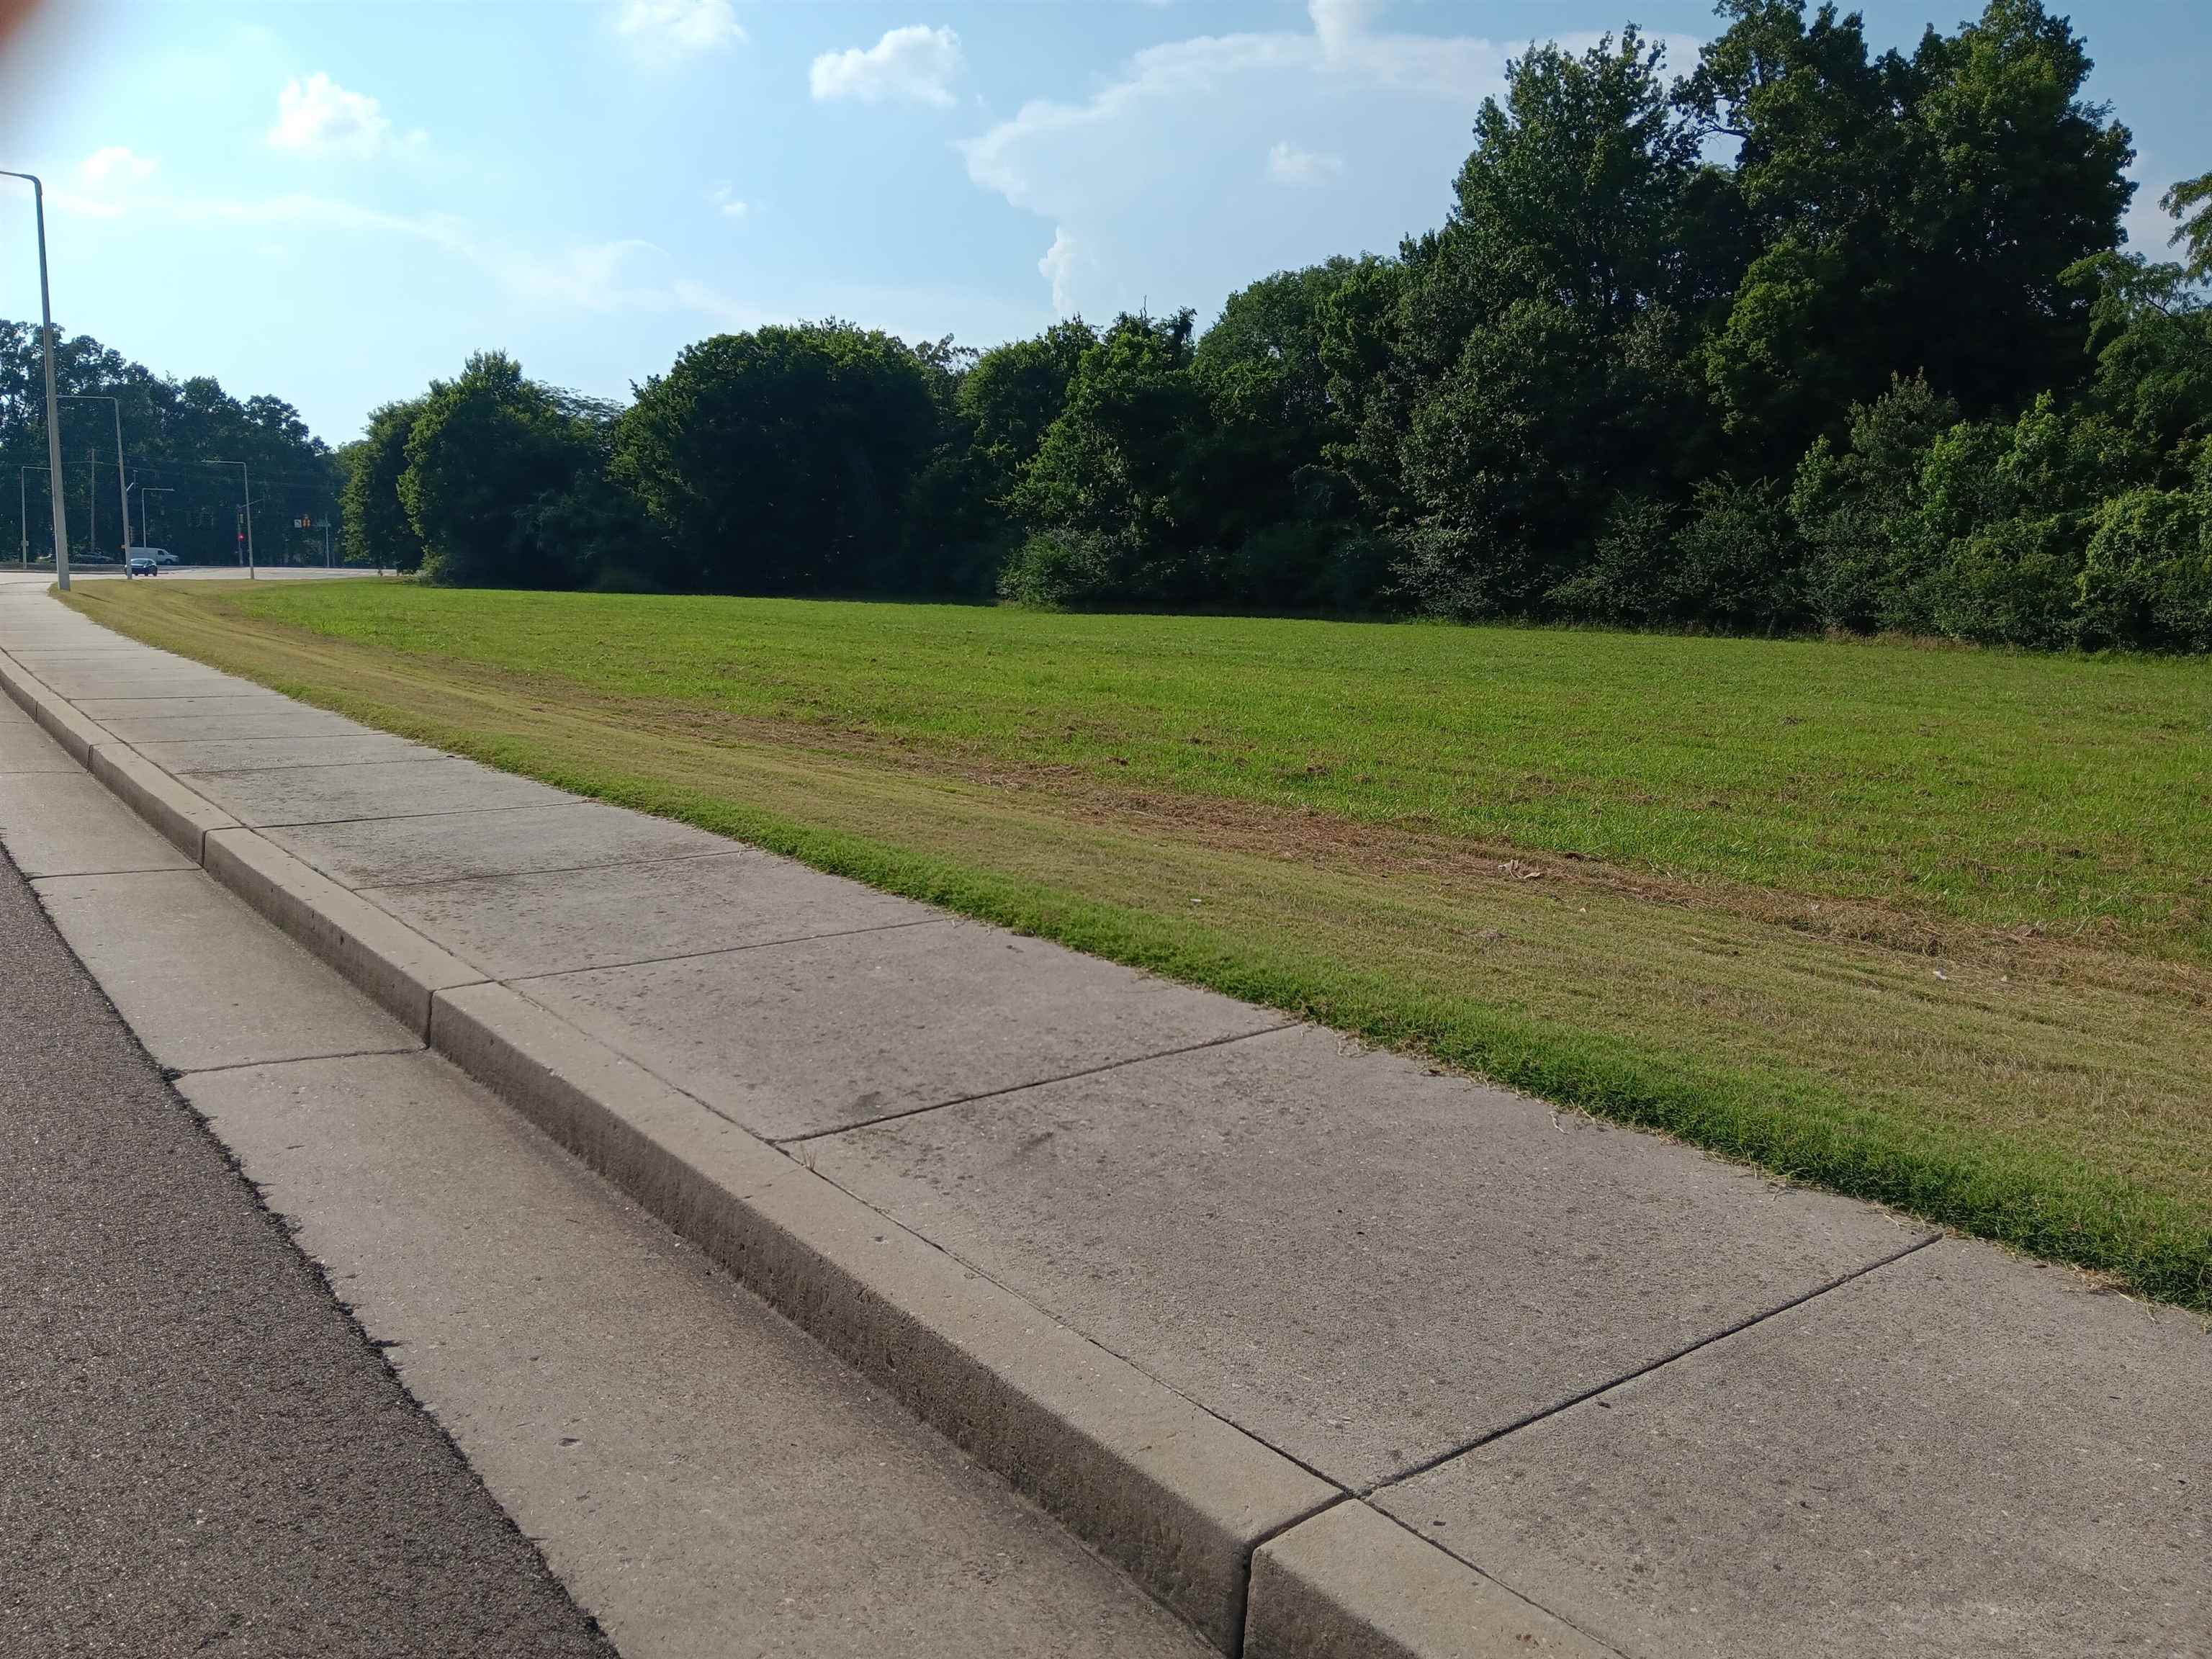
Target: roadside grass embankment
point(1930, 926)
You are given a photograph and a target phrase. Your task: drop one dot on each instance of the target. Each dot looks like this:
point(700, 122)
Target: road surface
point(202, 1453)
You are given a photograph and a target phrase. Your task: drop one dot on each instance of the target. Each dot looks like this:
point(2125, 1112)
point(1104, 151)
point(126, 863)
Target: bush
point(1858, 511)
point(2011, 583)
point(1448, 570)
point(2147, 578)
point(1628, 581)
point(1738, 561)
point(1060, 569)
point(620, 578)
point(1303, 565)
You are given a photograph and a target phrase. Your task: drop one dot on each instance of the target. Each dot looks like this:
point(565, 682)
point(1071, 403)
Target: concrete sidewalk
point(1333, 1355)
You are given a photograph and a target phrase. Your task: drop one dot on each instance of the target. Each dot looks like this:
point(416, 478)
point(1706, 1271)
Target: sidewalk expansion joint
point(87, 875)
point(1664, 1360)
point(186, 778)
point(282, 738)
point(718, 950)
point(732, 852)
point(1340, 1494)
point(1337, 1501)
point(303, 1059)
point(165, 696)
point(435, 759)
point(1581, 1630)
point(792, 1150)
point(1038, 1082)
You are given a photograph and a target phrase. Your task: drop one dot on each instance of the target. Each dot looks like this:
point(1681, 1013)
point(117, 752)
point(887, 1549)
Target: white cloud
point(667, 31)
point(115, 162)
point(1147, 176)
point(724, 200)
point(104, 183)
point(913, 65)
point(317, 114)
point(1058, 268)
point(597, 276)
point(590, 276)
point(1289, 165)
point(1339, 24)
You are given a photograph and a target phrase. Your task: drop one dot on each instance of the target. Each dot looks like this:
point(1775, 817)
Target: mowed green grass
point(1930, 926)
point(2006, 789)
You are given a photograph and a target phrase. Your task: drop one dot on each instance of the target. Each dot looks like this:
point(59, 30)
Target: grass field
point(1933, 926)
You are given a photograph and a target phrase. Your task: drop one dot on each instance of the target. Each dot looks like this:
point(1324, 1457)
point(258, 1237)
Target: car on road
point(159, 554)
point(144, 564)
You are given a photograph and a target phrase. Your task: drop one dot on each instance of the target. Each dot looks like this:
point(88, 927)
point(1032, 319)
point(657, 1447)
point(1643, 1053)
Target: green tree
point(1575, 192)
point(2191, 203)
point(1544, 335)
point(1117, 457)
point(1918, 214)
point(1273, 421)
point(378, 531)
point(487, 454)
point(1013, 394)
point(171, 430)
point(779, 461)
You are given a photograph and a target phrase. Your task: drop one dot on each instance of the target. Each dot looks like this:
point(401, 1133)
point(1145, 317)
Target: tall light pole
point(122, 490)
point(53, 413)
point(248, 479)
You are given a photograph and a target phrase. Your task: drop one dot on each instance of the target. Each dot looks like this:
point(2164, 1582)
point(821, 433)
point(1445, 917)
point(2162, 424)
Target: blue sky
point(335, 202)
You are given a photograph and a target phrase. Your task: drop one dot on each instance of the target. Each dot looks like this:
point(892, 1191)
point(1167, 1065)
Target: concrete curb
point(1175, 1496)
point(399, 969)
point(53, 712)
point(1351, 1584)
point(147, 790)
point(1172, 1494)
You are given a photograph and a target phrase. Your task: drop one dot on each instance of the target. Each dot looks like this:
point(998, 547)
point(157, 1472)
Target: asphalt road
point(199, 1451)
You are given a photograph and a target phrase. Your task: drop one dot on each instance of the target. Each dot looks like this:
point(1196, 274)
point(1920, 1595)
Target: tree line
point(173, 432)
point(1812, 336)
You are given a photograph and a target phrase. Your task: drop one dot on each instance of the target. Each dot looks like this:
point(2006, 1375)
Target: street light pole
point(53, 414)
point(122, 490)
point(248, 478)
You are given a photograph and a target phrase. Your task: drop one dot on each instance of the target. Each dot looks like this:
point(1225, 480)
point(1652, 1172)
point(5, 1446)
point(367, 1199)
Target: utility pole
point(53, 413)
point(91, 500)
point(23, 513)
